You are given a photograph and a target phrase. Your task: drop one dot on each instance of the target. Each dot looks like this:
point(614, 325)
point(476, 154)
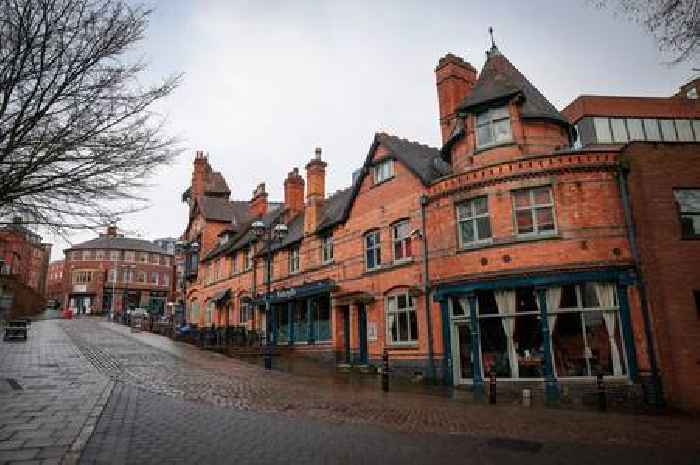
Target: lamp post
point(188, 248)
point(268, 235)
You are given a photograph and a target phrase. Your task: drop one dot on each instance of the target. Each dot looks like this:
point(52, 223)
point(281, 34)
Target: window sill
point(512, 240)
point(389, 267)
point(406, 346)
point(494, 146)
point(383, 181)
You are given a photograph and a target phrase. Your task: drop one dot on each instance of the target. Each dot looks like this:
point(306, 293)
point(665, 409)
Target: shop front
point(548, 330)
point(299, 315)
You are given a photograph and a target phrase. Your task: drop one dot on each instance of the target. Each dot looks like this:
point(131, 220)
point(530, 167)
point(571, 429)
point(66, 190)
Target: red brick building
point(24, 260)
point(507, 251)
point(54, 282)
point(662, 174)
point(113, 273)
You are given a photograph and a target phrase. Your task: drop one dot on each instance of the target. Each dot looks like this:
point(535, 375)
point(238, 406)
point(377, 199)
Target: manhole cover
point(13, 384)
point(518, 445)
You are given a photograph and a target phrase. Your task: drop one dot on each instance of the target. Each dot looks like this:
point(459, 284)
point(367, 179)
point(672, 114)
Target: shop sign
point(371, 331)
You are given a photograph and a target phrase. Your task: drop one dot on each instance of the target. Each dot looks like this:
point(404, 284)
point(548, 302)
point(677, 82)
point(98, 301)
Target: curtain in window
point(553, 297)
point(505, 300)
point(606, 299)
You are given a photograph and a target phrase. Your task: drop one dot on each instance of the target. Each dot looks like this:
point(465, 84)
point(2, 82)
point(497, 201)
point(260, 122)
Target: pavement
point(116, 397)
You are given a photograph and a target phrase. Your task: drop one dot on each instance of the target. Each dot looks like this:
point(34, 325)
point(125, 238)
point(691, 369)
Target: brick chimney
point(199, 174)
point(294, 192)
point(455, 79)
point(112, 230)
point(258, 204)
point(315, 192)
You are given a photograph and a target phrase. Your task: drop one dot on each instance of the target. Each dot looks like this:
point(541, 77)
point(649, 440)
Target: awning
point(222, 297)
point(299, 292)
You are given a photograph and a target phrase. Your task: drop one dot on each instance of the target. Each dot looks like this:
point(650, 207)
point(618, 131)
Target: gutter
point(622, 178)
point(424, 200)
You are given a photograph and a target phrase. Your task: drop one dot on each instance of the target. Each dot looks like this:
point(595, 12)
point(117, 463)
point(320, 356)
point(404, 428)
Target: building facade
point(24, 260)
point(113, 273)
point(54, 283)
point(509, 251)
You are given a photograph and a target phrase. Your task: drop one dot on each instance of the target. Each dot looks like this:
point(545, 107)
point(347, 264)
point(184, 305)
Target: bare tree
point(674, 23)
point(77, 131)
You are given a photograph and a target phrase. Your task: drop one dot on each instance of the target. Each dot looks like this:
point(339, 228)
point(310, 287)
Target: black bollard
point(268, 357)
point(385, 371)
point(602, 399)
point(492, 387)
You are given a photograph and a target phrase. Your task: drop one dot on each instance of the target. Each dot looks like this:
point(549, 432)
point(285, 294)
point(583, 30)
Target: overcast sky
point(267, 81)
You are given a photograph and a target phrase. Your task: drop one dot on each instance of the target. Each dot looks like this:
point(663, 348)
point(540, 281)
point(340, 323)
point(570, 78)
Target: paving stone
point(10, 445)
point(18, 454)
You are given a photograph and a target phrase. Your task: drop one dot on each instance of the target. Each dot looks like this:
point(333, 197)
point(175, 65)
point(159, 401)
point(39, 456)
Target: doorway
point(462, 353)
point(345, 312)
point(362, 333)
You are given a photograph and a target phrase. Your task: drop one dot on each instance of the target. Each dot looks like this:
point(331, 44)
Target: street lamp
point(269, 235)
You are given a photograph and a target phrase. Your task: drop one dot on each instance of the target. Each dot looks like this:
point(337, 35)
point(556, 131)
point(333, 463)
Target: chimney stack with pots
point(315, 191)
point(258, 204)
point(455, 79)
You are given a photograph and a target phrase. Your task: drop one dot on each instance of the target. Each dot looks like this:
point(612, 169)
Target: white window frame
point(377, 248)
point(473, 217)
point(389, 311)
point(489, 118)
point(383, 170)
point(533, 212)
point(327, 249)
point(404, 241)
point(294, 259)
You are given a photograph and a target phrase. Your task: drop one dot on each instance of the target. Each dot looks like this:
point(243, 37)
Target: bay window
point(401, 319)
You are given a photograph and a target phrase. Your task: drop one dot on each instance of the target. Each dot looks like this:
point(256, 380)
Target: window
point(473, 221)
point(696, 129)
point(99, 254)
point(634, 126)
point(401, 237)
point(166, 279)
point(383, 170)
point(373, 252)
point(82, 277)
point(234, 263)
point(619, 130)
point(166, 261)
point(294, 259)
point(155, 258)
point(685, 132)
point(154, 277)
point(87, 254)
point(143, 257)
point(112, 276)
point(493, 127)
point(129, 256)
point(209, 313)
point(689, 209)
point(269, 271)
point(402, 322)
point(668, 130)
point(114, 255)
point(245, 314)
point(651, 129)
point(141, 277)
point(194, 313)
point(602, 130)
point(327, 249)
point(534, 211)
point(248, 259)
point(127, 276)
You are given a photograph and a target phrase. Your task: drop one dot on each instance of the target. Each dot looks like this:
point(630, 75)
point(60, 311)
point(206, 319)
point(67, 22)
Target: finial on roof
point(494, 50)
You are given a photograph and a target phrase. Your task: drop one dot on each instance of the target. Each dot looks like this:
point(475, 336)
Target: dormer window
point(383, 170)
point(493, 127)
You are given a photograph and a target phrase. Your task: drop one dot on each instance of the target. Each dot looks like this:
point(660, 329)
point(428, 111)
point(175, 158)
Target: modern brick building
point(24, 260)
point(511, 250)
point(116, 273)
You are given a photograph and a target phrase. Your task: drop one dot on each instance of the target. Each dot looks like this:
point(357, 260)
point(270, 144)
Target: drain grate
point(13, 384)
point(518, 445)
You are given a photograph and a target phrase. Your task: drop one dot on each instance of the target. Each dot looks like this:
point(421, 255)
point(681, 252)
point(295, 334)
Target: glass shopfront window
point(310, 320)
point(584, 329)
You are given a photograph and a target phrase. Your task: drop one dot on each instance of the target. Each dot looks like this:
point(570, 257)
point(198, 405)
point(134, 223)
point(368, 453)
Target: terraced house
point(524, 248)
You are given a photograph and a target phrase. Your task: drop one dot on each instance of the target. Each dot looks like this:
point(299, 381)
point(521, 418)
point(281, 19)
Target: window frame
point(377, 169)
point(533, 209)
point(682, 214)
point(474, 220)
point(327, 246)
point(376, 249)
point(412, 308)
point(490, 123)
point(405, 241)
point(294, 259)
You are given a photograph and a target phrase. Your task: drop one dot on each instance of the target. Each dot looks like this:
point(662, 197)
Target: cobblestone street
point(173, 403)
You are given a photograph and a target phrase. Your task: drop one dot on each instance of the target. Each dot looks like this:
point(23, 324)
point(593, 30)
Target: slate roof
point(424, 161)
point(121, 243)
point(499, 80)
point(216, 185)
point(221, 209)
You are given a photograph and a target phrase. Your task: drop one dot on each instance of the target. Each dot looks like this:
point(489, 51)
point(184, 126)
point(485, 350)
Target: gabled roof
point(499, 81)
point(222, 209)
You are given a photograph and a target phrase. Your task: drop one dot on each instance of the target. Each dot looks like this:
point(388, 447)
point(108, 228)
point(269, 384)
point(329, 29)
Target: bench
point(16, 329)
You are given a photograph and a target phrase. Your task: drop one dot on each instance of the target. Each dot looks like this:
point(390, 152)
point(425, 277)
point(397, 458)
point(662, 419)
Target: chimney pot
point(318, 153)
